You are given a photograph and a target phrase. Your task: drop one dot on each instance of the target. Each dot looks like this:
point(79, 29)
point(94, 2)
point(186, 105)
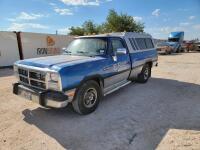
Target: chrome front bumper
point(44, 98)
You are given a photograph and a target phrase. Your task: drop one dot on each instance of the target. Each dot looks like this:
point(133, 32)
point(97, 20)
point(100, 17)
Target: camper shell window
point(141, 43)
point(149, 43)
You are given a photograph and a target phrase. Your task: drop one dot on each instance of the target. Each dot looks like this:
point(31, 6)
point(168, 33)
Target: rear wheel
point(145, 74)
point(87, 98)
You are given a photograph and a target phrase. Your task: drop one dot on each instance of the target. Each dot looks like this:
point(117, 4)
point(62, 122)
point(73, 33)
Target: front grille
point(38, 84)
point(32, 77)
point(23, 72)
point(37, 75)
point(24, 79)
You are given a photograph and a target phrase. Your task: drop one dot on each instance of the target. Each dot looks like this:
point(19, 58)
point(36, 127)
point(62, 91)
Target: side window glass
point(141, 43)
point(116, 43)
point(149, 43)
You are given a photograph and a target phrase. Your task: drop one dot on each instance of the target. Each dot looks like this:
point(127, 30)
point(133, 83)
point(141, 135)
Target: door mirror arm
point(114, 56)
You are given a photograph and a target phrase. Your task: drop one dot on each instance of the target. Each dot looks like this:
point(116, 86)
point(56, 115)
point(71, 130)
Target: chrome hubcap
point(90, 97)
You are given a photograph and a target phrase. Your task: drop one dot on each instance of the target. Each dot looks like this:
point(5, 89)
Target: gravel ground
point(162, 114)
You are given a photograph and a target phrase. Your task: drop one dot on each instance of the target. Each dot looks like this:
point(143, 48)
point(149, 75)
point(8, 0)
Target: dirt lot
point(162, 114)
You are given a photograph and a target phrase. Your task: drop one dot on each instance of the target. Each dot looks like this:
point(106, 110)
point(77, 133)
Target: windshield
point(87, 46)
point(173, 39)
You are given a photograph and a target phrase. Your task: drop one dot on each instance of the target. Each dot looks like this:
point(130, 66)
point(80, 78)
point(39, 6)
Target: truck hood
point(53, 61)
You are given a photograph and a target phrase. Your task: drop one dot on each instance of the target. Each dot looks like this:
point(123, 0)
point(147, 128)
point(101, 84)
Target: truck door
point(120, 63)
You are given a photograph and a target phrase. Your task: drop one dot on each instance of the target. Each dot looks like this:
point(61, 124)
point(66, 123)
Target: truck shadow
point(137, 116)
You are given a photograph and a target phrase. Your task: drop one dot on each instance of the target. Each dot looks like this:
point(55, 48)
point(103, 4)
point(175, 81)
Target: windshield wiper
point(83, 52)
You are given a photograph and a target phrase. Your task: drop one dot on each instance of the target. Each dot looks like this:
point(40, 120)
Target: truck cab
point(89, 68)
point(175, 40)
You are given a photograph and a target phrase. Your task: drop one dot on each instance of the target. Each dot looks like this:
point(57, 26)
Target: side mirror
point(121, 51)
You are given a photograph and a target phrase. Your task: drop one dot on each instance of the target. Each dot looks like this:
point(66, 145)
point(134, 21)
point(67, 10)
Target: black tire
point(145, 74)
point(87, 98)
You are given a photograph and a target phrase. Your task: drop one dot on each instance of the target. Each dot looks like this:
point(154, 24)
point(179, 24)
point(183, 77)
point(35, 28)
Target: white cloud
point(63, 31)
point(156, 12)
point(26, 16)
point(184, 24)
point(81, 2)
point(52, 4)
point(24, 26)
point(32, 16)
point(137, 18)
point(64, 11)
point(192, 17)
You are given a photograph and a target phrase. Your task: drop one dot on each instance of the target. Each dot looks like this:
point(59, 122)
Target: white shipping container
point(8, 48)
point(40, 45)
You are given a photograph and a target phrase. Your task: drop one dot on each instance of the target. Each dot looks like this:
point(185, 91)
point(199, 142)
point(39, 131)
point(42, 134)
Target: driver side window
point(116, 43)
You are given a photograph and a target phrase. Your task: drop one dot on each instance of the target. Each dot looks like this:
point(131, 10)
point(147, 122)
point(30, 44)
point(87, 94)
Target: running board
point(117, 88)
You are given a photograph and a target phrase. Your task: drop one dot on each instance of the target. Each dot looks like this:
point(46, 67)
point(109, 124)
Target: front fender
point(74, 75)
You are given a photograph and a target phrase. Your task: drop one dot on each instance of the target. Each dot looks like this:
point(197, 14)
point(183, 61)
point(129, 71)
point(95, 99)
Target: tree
point(122, 22)
point(114, 23)
point(89, 27)
point(76, 31)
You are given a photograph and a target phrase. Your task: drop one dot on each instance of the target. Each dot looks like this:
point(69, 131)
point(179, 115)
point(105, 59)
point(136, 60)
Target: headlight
point(54, 77)
point(53, 81)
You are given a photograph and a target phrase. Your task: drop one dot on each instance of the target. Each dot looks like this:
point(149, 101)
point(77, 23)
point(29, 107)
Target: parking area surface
point(162, 114)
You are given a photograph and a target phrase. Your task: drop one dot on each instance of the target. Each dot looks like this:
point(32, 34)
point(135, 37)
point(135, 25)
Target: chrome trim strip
point(117, 88)
point(37, 80)
point(23, 83)
point(22, 76)
point(143, 50)
point(29, 81)
point(55, 104)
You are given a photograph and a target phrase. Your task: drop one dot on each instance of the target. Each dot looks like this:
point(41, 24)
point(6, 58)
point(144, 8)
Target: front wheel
point(145, 74)
point(87, 98)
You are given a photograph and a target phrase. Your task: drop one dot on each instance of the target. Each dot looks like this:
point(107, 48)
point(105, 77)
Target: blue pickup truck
point(89, 68)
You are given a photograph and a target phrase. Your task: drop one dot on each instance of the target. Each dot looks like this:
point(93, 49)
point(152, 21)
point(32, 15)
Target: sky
point(160, 17)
